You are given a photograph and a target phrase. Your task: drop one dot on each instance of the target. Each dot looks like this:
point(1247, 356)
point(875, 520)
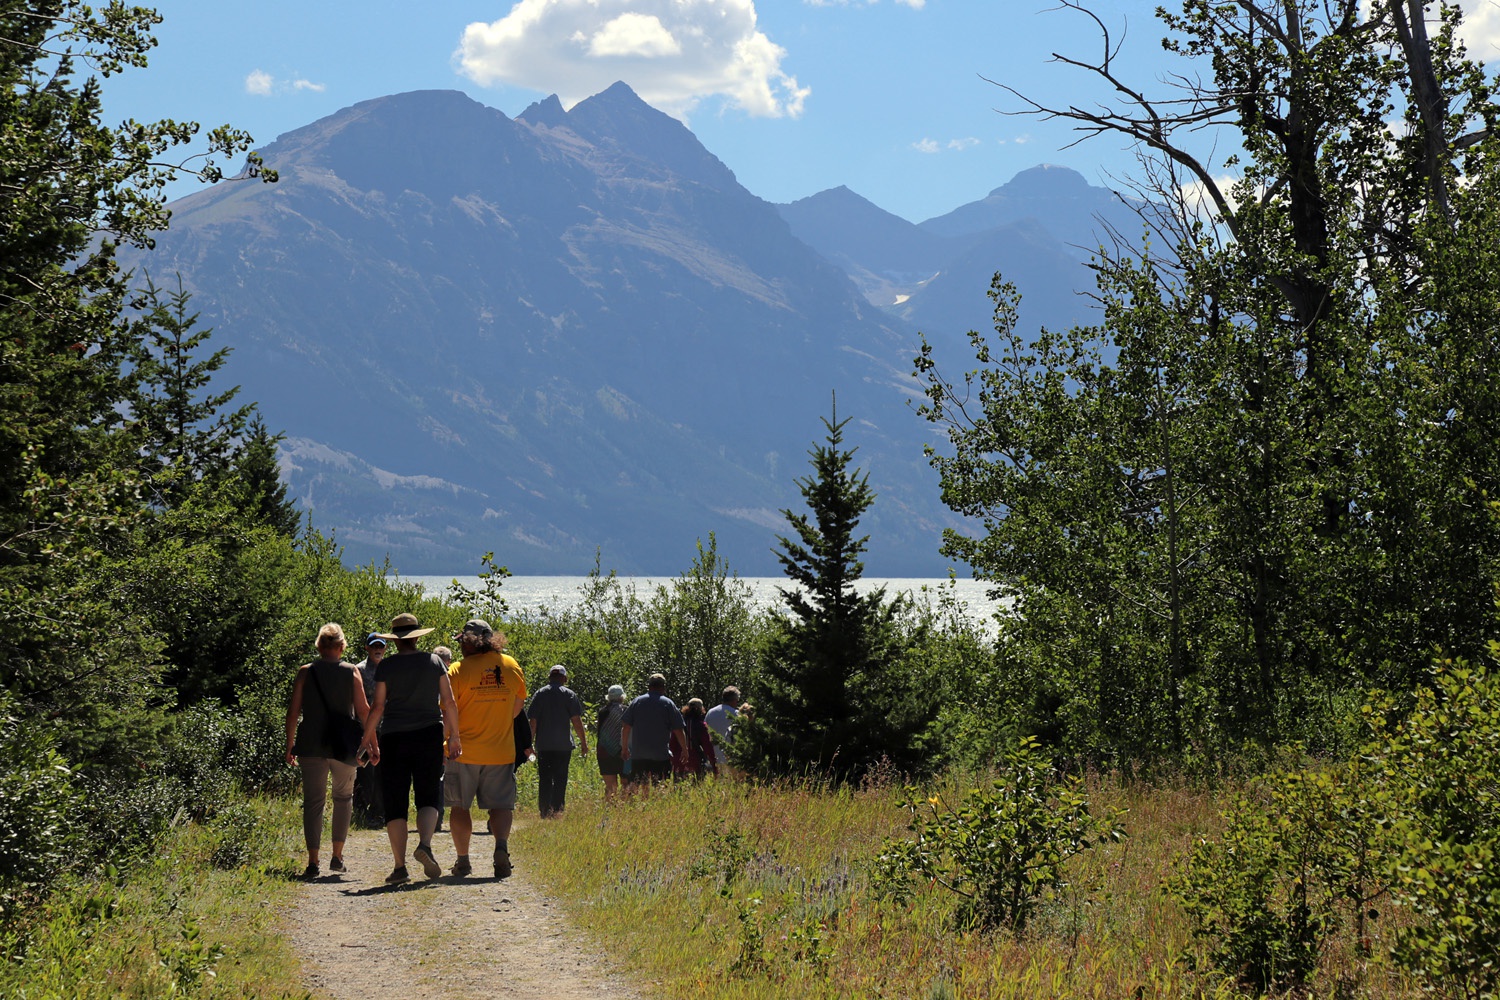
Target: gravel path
point(447, 938)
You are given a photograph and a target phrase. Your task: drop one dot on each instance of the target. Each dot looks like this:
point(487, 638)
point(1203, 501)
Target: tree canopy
point(1257, 485)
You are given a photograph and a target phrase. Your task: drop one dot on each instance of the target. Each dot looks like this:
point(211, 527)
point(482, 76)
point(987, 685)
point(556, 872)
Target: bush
point(1294, 862)
point(1005, 848)
point(1439, 805)
point(37, 801)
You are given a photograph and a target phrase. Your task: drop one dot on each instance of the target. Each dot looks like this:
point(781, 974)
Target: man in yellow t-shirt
point(490, 691)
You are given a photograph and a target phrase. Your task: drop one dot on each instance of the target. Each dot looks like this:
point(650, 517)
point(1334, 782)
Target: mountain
point(564, 333)
point(1038, 230)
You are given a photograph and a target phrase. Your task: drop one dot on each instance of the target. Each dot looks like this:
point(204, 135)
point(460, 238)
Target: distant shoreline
point(532, 593)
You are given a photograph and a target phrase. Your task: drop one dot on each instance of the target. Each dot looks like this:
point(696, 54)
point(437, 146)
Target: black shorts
point(610, 763)
point(642, 771)
point(411, 764)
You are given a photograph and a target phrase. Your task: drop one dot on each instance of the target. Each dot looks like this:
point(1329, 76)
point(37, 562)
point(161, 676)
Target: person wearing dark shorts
point(651, 732)
point(607, 729)
point(413, 712)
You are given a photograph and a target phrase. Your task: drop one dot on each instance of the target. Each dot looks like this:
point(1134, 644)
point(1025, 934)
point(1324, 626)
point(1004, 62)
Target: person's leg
point(544, 779)
point(499, 798)
point(427, 793)
point(461, 824)
point(560, 786)
point(611, 786)
point(343, 805)
point(395, 790)
point(314, 795)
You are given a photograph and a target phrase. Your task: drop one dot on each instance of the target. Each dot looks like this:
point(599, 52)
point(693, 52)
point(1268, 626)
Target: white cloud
point(928, 145)
point(1195, 194)
point(260, 83)
point(913, 4)
point(673, 53)
point(634, 35)
point(263, 84)
point(1481, 28)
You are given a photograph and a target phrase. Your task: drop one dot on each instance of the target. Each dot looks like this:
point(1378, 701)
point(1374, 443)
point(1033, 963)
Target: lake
point(531, 593)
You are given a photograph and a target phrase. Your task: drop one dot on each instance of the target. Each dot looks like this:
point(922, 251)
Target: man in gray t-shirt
point(552, 711)
point(651, 734)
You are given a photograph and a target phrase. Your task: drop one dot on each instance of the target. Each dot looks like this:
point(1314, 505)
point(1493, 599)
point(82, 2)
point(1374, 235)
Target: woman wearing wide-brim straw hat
point(413, 712)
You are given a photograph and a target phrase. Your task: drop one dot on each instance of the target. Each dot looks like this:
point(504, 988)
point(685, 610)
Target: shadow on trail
point(382, 890)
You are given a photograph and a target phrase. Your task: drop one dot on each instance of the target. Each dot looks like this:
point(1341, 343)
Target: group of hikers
point(412, 727)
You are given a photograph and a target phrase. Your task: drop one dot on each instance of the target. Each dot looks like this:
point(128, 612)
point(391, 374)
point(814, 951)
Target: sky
point(895, 99)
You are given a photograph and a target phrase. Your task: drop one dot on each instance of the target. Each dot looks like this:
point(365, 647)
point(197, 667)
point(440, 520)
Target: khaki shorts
point(493, 785)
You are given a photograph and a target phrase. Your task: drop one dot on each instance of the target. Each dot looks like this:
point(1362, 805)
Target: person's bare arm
point(450, 717)
point(583, 739)
point(625, 741)
point(369, 744)
point(293, 713)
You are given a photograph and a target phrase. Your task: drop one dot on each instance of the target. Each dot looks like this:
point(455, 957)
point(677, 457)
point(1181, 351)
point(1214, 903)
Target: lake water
point(531, 593)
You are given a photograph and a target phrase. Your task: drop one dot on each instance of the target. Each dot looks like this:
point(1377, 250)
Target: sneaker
point(461, 868)
point(397, 876)
point(310, 872)
point(423, 854)
point(502, 860)
point(337, 865)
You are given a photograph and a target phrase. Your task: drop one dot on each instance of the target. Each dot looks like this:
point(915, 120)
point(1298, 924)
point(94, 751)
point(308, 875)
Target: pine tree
point(833, 698)
point(259, 476)
point(184, 429)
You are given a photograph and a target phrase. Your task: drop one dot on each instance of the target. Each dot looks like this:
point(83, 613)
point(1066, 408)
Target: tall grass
point(199, 919)
point(727, 890)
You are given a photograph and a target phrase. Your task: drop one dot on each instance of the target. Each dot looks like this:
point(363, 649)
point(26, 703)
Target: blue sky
point(795, 96)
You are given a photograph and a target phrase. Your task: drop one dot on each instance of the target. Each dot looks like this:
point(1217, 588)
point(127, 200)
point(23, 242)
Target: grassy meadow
point(201, 918)
point(727, 890)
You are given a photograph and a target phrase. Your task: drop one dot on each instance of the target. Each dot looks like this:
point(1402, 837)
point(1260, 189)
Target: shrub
point(1005, 848)
point(1440, 810)
point(1293, 862)
point(37, 798)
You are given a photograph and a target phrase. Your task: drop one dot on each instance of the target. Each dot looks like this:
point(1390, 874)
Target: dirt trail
point(447, 938)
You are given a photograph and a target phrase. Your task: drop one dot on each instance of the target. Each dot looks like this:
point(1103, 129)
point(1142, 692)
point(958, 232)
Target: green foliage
point(1005, 848)
point(259, 477)
point(484, 601)
point(38, 807)
point(701, 631)
point(1253, 489)
point(183, 429)
point(1413, 818)
point(1296, 861)
point(835, 693)
point(1439, 808)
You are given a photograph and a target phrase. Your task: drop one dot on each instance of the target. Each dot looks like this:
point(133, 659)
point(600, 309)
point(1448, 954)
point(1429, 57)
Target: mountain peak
point(618, 118)
point(548, 111)
point(1044, 180)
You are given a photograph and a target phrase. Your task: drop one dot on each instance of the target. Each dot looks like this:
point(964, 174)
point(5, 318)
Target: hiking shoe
point(502, 861)
point(310, 872)
point(397, 876)
point(461, 868)
point(337, 865)
point(423, 854)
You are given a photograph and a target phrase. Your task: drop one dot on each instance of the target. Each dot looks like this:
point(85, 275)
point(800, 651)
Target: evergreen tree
point(259, 475)
point(833, 698)
point(71, 190)
point(184, 430)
